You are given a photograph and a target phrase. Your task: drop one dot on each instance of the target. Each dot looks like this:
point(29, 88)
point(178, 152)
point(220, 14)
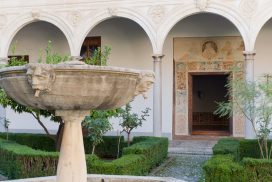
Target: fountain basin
point(73, 86)
point(107, 178)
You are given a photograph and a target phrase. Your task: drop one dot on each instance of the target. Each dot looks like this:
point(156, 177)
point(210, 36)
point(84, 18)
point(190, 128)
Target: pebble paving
point(184, 167)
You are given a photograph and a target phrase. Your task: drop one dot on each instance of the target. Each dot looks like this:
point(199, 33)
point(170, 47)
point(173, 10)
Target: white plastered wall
point(263, 47)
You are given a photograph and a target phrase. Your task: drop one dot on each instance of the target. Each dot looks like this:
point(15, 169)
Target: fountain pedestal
point(72, 89)
point(72, 163)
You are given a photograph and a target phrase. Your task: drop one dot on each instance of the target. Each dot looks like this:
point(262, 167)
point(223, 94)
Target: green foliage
point(126, 165)
point(107, 148)
point(227, 146)
point(19, 161)
point(15, 61)
point(99, 57)
point(228, 168)
point(34, 141)
point(53, 57)
point(254, 101)
point(153, 148)
point(132, 121)
point(223, 168)
point(98, 124)
point(258, 170)
point(250, 148)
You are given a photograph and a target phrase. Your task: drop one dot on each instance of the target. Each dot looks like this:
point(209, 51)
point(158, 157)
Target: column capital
point(249, 53)
point(157, 56)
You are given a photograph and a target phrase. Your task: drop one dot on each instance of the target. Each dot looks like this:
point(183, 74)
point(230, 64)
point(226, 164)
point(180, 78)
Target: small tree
point(99, 57)
point(98, 124)
point(5, 122)
point(132, 121)
point(254, 101)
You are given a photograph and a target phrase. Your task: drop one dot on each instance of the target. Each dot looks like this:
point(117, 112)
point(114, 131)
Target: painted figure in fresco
point(209, 50)
point(227, 51)
point(40, 77)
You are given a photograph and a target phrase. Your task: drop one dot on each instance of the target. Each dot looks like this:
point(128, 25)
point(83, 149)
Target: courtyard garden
point(34, 155)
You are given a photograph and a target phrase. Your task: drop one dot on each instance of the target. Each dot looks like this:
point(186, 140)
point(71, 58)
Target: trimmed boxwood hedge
point(223, 168)
point(34, 141)
point(106, 149)
point(154, 149)
point(227, 146)
point(21, 161)
point(126, 165)
point(237, 160)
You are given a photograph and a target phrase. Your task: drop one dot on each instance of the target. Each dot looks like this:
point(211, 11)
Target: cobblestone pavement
point(201, 147)
point(186, 158)
point(185, 167)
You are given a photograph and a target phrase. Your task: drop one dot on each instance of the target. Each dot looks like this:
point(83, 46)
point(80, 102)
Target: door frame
point(190, 98)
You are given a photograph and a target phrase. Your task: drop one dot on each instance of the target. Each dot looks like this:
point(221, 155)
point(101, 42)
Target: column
point(72, 163)
point(157, 96)
point(249, 73)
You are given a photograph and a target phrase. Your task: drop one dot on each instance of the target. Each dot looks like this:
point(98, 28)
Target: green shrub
point(153, 148)
point(258, 170)
point(20, 161)
point(126, 165)
point(250, 148)
point(227, 146)
point(138, 159)
point(223, 168)
point(106, 149)
point(238, 162)
point(35, 141)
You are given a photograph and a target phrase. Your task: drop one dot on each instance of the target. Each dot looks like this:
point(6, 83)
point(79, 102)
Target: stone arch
point(263, 17)
point(190, 10)
point(90, 22)
point(21, 21)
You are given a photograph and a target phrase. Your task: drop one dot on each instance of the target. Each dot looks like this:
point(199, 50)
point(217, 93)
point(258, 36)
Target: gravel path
point(183, 166)
point(2, 178)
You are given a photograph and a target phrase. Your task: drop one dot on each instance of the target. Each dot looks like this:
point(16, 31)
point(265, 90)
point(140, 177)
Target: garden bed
point(239, 161)
point(22, 161)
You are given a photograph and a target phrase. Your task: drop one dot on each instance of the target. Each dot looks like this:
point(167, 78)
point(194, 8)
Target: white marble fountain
point(72, 89)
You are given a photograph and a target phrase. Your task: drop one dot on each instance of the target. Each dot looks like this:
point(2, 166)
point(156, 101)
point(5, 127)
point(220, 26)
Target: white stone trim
point(89, 22)
point(21, 20)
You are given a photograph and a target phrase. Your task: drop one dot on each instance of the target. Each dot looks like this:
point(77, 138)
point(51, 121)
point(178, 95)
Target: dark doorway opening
point(206, 90)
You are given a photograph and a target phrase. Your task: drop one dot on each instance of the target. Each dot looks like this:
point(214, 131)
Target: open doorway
point(205, 90)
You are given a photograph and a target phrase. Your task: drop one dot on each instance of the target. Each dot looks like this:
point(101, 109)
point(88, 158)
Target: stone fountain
point(72, 89)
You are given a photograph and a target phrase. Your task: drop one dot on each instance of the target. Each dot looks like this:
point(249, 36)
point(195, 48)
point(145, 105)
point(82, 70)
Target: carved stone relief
point(74, 17)
point(248, 7)
point(113, 11)
point(202, 4)
point(35, 14)
point(157, 13)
